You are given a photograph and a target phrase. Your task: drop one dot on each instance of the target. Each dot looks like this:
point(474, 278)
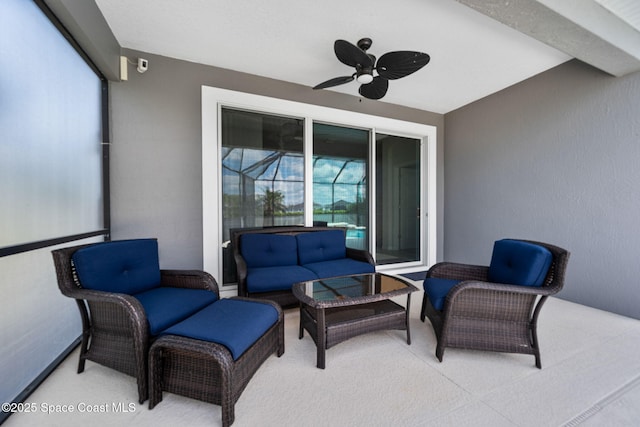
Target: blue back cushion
point(519, 263)
point(268, 250)
point(233, 323)
point(124, 266)
point(318, 246)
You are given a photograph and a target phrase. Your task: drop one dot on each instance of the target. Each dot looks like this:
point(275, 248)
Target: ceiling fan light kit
point(364, 78)
point(374, 77)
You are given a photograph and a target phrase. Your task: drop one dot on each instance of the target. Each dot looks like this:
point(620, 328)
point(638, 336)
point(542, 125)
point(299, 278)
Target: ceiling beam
point(88, 27)
point(582, 29)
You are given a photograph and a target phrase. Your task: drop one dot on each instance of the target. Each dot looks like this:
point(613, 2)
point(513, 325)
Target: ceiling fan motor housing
point(365, 43)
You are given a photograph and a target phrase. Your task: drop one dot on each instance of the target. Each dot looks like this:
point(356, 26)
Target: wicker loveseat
point(270, 260)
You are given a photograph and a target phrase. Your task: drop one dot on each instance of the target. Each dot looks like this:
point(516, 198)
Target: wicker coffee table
point(336, 309)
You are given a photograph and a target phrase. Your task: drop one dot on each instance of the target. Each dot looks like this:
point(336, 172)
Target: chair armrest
point(470, 297)
point(116, 305)
point(128, 302)
point(360, 255)
point(241, 274)
point(457, 271)
point(192, 279)
point(499, 288)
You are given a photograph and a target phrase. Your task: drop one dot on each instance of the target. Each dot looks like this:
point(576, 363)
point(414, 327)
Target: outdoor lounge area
point(590, 378)
point(186, 125)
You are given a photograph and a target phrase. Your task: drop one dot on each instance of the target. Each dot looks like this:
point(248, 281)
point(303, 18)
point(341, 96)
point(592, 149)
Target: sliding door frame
point(214, 99)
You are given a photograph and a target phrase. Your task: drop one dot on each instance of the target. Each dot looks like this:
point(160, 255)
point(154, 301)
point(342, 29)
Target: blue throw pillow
point(519, 263)
point(268, 250)
point(318, 246)
point(122, 266)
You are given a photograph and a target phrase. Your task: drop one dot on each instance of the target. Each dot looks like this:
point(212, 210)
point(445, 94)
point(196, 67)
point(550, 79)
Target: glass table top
point(356, 286)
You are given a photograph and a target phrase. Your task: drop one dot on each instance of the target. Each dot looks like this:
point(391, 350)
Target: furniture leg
point(407, 319)
point(85, 334)
point(301, 332)
point(321, 333)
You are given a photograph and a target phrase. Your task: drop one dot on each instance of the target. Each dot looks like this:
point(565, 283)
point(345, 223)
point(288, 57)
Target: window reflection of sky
point(284, 172)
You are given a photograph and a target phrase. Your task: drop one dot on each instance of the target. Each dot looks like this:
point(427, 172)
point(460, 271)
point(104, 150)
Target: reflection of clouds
point(264, 164)
point(292, 168)
point(327, 170)
point(333, 179)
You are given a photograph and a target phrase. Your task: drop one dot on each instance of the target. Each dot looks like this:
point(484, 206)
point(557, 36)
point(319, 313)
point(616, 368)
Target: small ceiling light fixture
point(364, 78)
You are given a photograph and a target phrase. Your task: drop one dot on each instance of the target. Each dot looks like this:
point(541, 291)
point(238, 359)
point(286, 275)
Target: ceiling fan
point(374, 77)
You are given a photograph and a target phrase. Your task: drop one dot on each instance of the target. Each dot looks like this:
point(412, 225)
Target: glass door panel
point(340, 183)
point(397, 199)
point(262, 175)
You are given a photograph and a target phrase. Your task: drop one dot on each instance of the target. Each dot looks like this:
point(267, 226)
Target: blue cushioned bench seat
point(272, 260)
point(236, 324)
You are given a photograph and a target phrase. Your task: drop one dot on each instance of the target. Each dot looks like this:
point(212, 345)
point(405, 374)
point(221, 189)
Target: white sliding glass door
point(262, 164)
point(398, 199)
point(340, 180)
point(270, 162)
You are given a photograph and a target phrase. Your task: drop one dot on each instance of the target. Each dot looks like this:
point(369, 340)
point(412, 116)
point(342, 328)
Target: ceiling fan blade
point(376, 89)
point(335, 82)
point(394, 65)
point(351, 55)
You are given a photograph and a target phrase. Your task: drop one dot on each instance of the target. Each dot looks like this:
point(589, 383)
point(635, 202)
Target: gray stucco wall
point(555, 158)
point(156, 161)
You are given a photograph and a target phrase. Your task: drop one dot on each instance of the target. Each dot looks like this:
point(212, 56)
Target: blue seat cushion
point(268, 250)
point(318, 246)
point(166, 306)
point(437, 290)
point(122, 266)
point(232, 323)
point(339, 267)
point(519, 263)
point(267, 279)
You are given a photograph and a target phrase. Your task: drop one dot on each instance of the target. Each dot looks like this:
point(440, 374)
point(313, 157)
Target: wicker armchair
point(481, 315)
point(115, 328)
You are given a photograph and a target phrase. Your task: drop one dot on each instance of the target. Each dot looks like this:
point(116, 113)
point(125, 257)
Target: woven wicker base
point(331, 326)
point(206, 371)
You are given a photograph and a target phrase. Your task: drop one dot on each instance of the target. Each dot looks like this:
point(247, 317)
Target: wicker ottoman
point(191, 365)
